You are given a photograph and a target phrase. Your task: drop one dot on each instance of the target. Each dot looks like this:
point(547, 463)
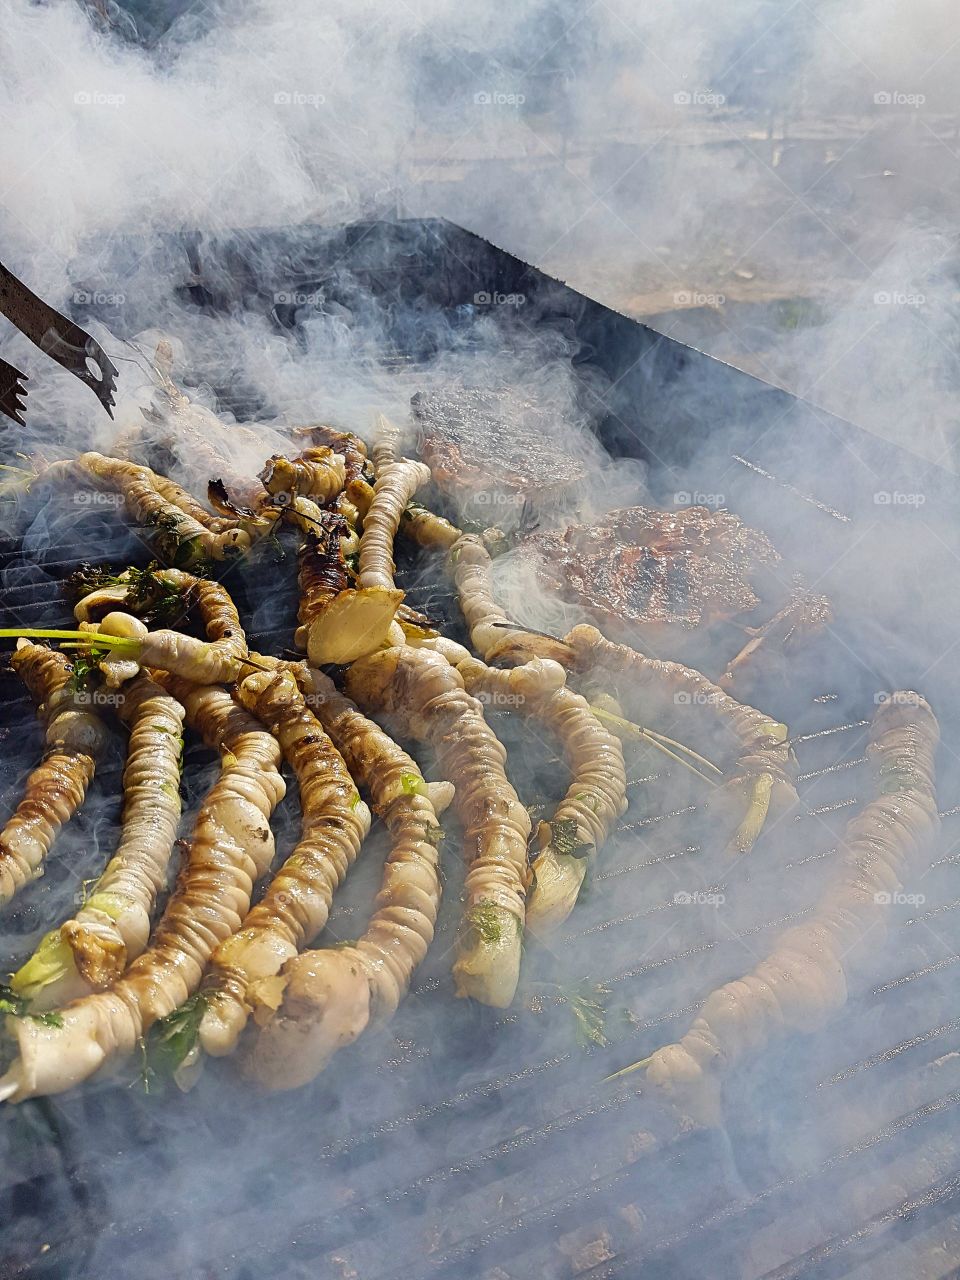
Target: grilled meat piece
point(487, 448)
point(655, 568)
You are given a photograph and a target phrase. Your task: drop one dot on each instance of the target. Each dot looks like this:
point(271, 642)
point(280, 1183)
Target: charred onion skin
point(322, 572)
point(91, 950)
point(231, 846)
point(329, 997)
point(428, 699)
point(57, 787)
point(597, 795)
point(350, 447)
point(803, 981)
point(296, 904)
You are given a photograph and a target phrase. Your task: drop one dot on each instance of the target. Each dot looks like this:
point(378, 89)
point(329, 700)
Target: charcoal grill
point(466, 1143)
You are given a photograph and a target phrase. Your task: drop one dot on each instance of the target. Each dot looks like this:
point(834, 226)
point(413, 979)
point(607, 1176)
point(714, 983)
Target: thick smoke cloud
point(774, 181)
point(676, 161)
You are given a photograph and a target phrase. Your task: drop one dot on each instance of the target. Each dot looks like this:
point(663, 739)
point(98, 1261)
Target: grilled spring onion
point(146, 593)
point(802, 982)
point(759, 784)
point(354, 453)
point(677, 751)
point(338, 623)
point(156, 502)
point(231, 847)
point(317, 473)
point(326, 998)
point(428, 699)
point(596, 796)
point(426, 528)
point(296, 903)
point(491, 633)
point(91, 950)
point(396, 484)
point(129, 644)
point(57, 787)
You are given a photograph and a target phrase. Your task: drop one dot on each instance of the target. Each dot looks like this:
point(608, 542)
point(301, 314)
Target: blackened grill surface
point(486, 1144)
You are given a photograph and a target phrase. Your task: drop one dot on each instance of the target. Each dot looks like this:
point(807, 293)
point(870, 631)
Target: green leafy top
point(172, 1039)
point(18, 1007)
point(83, 666)
point(585, 1003)
point(486, 920)
point(154, 599)
point(565, 838)
point(148, 595)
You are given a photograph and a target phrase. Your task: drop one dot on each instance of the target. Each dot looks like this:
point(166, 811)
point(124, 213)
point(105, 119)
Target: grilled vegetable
point(317, 473)
point(325, 999)
point(337, 622)
point(91, 951)
point(386, 443)
point(147, 593)
point(295, 906)
point(179, 536)
point(231, 846)
point(130, 645)
point(426, 528)
point(490, 630)
point(803, 981)
point(597, 793)
point(759, 783)
point(56, 788)
point(354, 453)
point(428, 699)
point(396, 485)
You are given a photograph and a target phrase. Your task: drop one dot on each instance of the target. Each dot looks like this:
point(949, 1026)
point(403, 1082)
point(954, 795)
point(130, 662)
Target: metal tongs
point(61, 339)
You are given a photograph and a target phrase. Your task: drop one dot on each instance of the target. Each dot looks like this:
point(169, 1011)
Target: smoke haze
point(775, 183)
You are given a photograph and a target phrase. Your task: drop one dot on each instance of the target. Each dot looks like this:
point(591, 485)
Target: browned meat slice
point(648, 567)
point(484, 443)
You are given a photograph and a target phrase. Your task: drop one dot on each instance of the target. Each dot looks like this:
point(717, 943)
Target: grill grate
point(465, 1142)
